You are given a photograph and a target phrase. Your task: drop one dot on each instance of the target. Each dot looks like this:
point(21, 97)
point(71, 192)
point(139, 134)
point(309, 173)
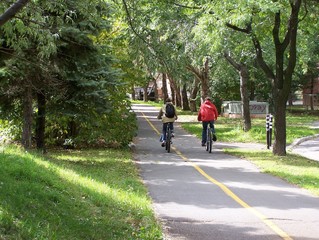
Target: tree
point(54, 49)
point(158, 32)
point(244, 78)
point(254, 20)
point(281, 78)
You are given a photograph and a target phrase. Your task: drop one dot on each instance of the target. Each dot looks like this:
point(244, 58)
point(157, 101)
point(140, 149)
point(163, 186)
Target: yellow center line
point(228, 192)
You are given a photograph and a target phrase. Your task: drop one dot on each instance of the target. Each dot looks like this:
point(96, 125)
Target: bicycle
point(209, 139)
point(168, 137)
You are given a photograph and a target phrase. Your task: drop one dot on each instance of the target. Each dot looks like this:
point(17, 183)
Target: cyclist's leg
point(164, 131)
point(204, 132)
point(164, 135)
point(212, 127)
point(171, 125)
point(213, 130)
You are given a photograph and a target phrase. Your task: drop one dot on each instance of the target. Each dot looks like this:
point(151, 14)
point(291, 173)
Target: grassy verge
point(230, 130)
point(90, 194)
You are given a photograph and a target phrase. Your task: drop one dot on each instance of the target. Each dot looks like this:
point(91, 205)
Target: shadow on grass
point(52, 200)
point(117, 171)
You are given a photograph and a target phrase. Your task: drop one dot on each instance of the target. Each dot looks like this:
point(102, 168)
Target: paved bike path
point(198, 195)
point(307, 147)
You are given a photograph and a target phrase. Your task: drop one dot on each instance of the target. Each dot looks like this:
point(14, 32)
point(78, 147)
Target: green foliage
point(72, 51)
point(158, 37)
point(59, 55)
point(112, 126)
point(225, 81)
point(92, 194)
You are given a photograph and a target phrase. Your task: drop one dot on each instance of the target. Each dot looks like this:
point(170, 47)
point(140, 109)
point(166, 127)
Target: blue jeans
point(204, 135)
point(171, 126)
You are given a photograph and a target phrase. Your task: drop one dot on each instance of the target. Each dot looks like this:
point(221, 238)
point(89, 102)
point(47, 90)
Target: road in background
point(308, 149)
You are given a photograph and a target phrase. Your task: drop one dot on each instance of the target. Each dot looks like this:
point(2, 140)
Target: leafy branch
point(11, 11)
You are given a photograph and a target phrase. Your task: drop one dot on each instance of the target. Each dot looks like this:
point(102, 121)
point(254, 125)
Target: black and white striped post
point(269, 129)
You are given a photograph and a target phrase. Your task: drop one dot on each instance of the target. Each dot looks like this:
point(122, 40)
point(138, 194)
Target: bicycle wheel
point(166, 136)
point(168, 139)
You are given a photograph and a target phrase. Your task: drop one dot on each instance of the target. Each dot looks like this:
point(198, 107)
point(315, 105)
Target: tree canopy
point(68, 65)
point(56, 74)
point(263, 35)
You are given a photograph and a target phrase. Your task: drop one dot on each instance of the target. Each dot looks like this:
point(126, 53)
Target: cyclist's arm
point(160, 114)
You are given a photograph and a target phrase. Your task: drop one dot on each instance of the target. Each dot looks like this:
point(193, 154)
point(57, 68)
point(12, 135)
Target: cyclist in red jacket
point(208, 115)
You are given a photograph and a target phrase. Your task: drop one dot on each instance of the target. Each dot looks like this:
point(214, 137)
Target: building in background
point(310, 94)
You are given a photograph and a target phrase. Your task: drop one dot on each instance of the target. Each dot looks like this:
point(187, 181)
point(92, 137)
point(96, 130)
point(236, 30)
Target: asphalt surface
point(201, 196)
point(307, 147)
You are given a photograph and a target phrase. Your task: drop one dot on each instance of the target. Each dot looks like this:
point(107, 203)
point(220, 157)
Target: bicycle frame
point(168, 137)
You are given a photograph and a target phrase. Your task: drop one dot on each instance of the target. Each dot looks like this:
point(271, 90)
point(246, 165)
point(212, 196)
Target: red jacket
point(207, 112)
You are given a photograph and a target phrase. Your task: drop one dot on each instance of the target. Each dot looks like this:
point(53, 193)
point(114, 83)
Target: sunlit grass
point(150, 103)
point(90, 194)
point(231, 130)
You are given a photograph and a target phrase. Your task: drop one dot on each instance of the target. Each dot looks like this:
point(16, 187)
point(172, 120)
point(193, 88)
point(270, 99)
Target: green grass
point(89, 194)
point(293, 168)
point(150, 103)
point(230, 130)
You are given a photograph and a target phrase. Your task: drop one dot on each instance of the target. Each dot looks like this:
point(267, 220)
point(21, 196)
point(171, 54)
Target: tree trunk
point(164, 86)
point(145, 97)
point(244, 92)
point(311, 94)
point(173, 94)
point(40, 121)
point(244, 78)
point(11, 11)
point(27, 118)
point(155, 90)
point(72, 129)
point(177, 94)
point(279, 147)
point(205, 80)
point(252, 90)
point(283, 78)
point(193, 94)
point(185, 105)
point(201, 76)
point(133, 92)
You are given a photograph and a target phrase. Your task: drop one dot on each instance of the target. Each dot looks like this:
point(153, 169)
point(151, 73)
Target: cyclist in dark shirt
point(166, 120)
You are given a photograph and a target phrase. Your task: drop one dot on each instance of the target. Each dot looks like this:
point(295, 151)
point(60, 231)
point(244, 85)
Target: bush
point(113, 128)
